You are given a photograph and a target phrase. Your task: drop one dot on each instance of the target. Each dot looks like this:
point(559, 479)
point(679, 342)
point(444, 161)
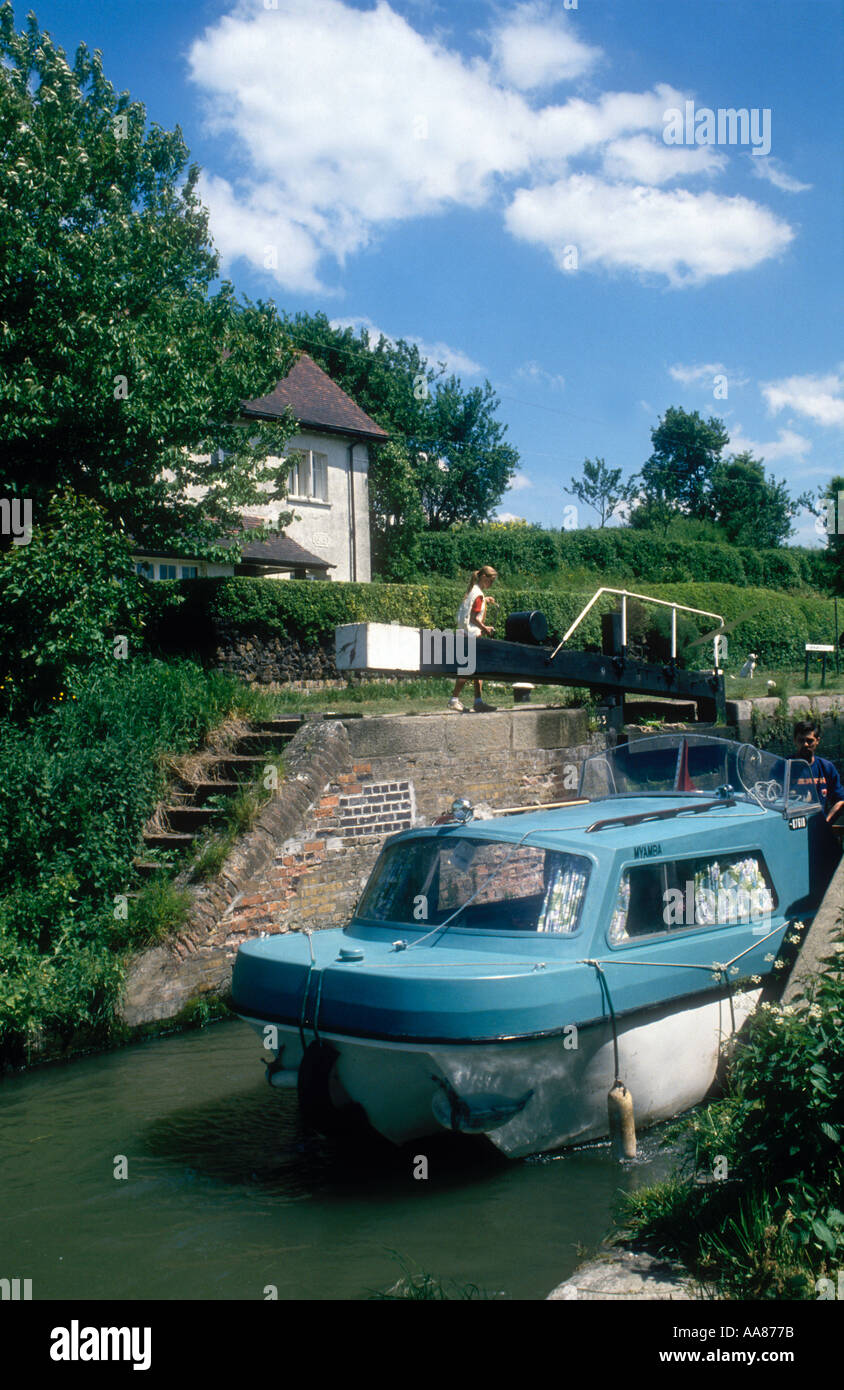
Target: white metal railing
point(646, 598)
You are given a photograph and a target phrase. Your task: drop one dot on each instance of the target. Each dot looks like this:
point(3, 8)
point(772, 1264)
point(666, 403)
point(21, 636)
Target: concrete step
point(167, 839)
point(240, 766)
point(271, 743)
point(191, 818)
point(148, 868)
point(201, 791)
point(282, 725)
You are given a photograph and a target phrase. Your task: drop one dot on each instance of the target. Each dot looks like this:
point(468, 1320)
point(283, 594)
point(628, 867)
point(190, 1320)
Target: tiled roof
point(316, 401)
point(279, 551)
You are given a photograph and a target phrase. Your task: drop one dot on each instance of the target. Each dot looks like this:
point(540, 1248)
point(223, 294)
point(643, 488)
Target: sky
point(550, 195)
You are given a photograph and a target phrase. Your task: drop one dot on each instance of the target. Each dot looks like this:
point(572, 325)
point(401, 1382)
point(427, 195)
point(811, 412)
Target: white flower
point(756, 979)
point(769, 958)
point(779, 965)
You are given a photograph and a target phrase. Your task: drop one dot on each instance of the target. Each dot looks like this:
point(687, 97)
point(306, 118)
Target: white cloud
point(536, 47)
point(520, 482)
point(688, 237)
point(766, 167)
point(507, 516)
point(454, 359)
point(342, 122)
point(705, 374)
point(532, 371)
point(642, 159)
point(819, 397)
point(787, 445)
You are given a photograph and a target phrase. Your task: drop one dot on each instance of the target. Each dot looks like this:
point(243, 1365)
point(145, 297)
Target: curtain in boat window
point(564, 894)
point(731, 892)
point(618, 921)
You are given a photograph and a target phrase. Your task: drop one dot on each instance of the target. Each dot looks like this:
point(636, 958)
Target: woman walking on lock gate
point(471, 616)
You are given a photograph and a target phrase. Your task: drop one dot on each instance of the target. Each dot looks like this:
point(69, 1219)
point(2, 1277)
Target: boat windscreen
point(688, 763)
point(487, 885)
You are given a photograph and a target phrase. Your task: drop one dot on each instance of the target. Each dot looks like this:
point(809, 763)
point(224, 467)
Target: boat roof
point(568, 826)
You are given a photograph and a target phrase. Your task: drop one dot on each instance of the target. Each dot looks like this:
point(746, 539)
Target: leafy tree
point(397, 520)
point(121, 375)
point(449, 447)
point(676, 477)
point(600, 488)
point(64, 598)
point(750, 508)
point(467, 466)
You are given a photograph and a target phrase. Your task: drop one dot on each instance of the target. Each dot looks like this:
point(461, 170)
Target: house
point(328, 489)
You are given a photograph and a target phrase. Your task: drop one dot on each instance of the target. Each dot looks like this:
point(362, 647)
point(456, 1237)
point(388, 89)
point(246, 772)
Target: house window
point(188, 571)
point(167, 571)
point(146, 570)
point(308, 476)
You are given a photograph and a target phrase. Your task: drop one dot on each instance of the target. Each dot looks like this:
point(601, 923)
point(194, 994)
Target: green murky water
point(227, 1194)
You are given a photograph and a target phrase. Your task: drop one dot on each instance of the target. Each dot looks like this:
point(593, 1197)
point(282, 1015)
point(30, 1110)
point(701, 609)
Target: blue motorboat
point(499, 975)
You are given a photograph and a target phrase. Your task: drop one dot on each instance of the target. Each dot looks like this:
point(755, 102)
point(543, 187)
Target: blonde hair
point(486, 570)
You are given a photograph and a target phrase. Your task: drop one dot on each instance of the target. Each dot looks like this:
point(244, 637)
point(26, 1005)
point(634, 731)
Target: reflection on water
point(228, 1194)
point(258, 1140)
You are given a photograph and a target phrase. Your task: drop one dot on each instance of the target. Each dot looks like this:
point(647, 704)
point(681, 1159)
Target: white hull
point(668, 1058)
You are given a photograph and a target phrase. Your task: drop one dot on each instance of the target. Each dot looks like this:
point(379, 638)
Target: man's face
point(808, 744)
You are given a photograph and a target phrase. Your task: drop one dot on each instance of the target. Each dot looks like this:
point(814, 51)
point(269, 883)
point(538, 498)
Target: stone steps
point(185, 815)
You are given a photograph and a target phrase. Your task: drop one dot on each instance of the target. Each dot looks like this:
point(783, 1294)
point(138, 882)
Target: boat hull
point(528, 1095)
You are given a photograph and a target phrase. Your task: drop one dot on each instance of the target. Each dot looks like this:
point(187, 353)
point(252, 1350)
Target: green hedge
point(617, 553)
point(194, 615)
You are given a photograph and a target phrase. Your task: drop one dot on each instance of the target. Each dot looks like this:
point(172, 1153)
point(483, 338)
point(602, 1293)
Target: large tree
point(121, 373)
point(676, 477)
point(750, 508)
point(449, 462)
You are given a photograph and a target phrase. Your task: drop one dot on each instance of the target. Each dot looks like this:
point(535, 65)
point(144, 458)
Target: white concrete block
point(377, 647)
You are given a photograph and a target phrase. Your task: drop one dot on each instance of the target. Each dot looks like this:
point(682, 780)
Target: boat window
point(720, 890)
point(488, 885)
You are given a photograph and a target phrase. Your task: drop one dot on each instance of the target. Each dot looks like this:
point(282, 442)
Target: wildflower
point(794, 940)
point(815, 1011)
point(769, 958)
point(799, 926)
point(756, 979)
point(789, 1010)
point(779, 965)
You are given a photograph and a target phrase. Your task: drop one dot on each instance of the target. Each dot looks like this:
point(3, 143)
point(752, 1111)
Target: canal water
point(226, 1196)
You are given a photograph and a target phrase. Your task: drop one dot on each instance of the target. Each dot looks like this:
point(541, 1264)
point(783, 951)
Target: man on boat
point(822, 772)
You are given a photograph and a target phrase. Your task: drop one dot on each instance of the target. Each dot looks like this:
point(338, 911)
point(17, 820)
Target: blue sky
point(499, 183)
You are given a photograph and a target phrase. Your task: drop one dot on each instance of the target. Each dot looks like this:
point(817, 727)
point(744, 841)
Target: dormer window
point(308, 476)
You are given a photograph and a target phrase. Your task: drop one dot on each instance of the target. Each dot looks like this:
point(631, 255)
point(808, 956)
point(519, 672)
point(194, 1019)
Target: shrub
point(77, 783)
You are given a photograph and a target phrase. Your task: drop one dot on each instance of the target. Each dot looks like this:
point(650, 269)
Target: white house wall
point(325, 528)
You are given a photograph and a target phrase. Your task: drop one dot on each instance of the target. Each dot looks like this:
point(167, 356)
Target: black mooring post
point(835, 638)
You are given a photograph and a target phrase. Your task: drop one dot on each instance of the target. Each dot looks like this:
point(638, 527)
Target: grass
point(421, 1286)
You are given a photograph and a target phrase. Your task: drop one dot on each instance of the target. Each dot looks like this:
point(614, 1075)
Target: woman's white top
point(464, 612)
